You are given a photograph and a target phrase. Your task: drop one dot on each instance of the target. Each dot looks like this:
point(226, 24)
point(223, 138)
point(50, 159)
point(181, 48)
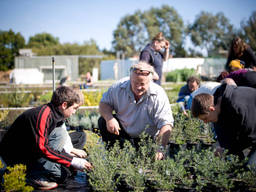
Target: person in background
point(155, 53)
point(64, 80)
point(242, 77)
point(29, 141)
point(140, 106)
point(241, 51)
point(232, 110)
point(88, 81)
point(208, 87)
point(193, 83)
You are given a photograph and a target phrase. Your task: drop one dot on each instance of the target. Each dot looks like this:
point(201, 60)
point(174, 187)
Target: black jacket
point(236, 125)
point(27, 138)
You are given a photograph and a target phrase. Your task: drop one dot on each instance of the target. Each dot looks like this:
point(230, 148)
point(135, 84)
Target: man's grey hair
point(144, 66)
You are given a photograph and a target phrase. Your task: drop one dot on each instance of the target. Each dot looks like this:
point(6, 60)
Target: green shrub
point(193, 169)
point(180, 75)
point(190, 130)
point(17, 98)
point(45, 98)
point(15, 179)
point(86, 120)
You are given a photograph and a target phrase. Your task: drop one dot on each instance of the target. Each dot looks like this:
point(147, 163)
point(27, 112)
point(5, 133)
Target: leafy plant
point(190, 130)
point(87, 121)
point(15, 179)
point(92, 98)
point(180, 75)
point(45, 98)
point(16, 98)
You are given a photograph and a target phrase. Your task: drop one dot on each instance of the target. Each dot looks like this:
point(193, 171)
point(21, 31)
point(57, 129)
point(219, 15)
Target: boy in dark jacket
point(232, 110)
point(27, 141)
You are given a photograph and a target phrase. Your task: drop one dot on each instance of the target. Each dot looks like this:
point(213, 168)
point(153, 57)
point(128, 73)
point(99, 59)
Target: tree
point(128, 37)
point(10, 43)
point(42, 40)
point(211, 32)
point(135, 31)
point(249, 31)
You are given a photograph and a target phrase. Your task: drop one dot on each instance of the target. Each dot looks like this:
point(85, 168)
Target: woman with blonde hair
point(155, 53)
point(241, 51)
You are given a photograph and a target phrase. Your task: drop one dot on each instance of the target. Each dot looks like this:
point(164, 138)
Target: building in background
point(207, 67)
point(65, 65)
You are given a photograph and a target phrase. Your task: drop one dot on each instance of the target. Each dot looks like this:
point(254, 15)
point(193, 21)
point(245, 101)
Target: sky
point(78, 21)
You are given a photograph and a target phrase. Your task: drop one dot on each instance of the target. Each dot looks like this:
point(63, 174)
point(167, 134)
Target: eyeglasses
point(141, 72)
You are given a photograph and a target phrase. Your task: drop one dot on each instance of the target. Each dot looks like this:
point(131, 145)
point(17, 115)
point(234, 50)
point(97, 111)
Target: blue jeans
point(49, 169)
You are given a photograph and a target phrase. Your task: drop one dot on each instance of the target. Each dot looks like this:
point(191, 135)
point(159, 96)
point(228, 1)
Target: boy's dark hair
point(192, 79)
point(65, 94)
point(201, 104)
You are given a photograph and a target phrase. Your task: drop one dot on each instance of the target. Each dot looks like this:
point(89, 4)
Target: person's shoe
point(42, 184)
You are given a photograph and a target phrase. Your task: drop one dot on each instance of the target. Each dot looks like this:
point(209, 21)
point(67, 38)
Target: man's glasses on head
point(141, 72)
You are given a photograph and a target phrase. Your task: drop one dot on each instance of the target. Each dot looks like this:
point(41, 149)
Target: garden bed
point(190, 163)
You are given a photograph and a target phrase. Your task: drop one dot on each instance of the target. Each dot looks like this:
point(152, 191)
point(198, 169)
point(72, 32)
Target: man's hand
point(113, 126)
point(219, 151)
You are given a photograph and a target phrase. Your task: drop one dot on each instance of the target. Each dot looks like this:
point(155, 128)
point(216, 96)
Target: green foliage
point(193, 169)
point(15, 179)
point(190, 130)
point(172, 92)
point(133, 31)
point(85, 121)
point(249, 31)
point(45, 98)
point(10, 43)
point(211, 32)
point(117, 166)
point(179, 75)
point(41, 40)
point(17, 98)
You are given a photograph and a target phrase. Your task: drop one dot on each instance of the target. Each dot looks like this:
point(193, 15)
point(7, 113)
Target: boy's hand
point(79, 153)
point(81, 164)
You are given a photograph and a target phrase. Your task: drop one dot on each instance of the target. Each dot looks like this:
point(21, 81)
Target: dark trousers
point(111, 138)
point(78, 139)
